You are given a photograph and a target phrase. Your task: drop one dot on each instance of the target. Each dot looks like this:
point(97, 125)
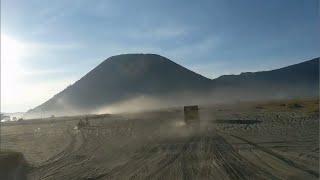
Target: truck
point(191, 115)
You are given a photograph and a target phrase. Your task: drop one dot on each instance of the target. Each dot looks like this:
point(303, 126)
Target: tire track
point(60, 160)
point(196, 158)
point(280, 157)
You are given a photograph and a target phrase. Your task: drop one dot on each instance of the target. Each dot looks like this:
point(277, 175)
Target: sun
point(12, 53)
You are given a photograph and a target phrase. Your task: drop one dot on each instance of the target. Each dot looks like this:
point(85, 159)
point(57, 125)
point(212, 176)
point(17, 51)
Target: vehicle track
point(206, 155)
point(60, 160)
point(199, 157)
point(280, 157)
point(61, 154)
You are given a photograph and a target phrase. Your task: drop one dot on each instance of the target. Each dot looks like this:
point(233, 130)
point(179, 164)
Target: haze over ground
point(46, 46)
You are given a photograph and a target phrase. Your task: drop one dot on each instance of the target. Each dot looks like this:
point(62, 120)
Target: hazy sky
point(47, 45)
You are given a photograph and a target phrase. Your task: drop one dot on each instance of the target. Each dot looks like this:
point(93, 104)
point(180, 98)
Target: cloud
point(54, 14)
point(203, 46)
point(159, 32)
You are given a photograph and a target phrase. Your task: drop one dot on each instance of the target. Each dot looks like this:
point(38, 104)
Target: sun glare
point(11, 49)
point(18, 91)
point(12, 52)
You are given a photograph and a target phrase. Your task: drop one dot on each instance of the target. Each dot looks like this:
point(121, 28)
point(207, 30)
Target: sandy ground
point(282, 142)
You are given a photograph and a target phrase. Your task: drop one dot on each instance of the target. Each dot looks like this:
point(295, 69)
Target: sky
point(48, 45)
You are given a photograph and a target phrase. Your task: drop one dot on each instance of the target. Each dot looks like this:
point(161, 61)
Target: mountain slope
point(124, 77)
point(305, 72)
point(299, 80)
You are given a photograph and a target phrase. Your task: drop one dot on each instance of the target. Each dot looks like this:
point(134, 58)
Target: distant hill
point(124, 77)
point(295, 81)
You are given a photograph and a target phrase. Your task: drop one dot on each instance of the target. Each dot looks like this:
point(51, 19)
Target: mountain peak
point(136, 57)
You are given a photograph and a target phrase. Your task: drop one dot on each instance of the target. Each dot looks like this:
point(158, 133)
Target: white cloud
point(159, 32)
point(204, 46)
